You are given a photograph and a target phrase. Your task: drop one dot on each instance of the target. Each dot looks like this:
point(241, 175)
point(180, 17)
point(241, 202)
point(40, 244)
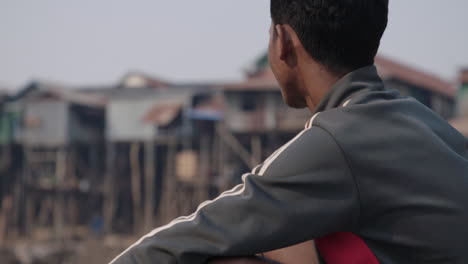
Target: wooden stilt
point(18, 205)
point(5, 211)
point(109, 188)
point(59, 212)
point(5, 157)
point(28, 195)
point(169, 203)
point(29, 213)
point(203, 177)
point(231, 141)
point(150, 169)
point(215, 161)
point(256, 146)
point(72, 216)
point(44, 212)
point(136, 184)
point(222, 155)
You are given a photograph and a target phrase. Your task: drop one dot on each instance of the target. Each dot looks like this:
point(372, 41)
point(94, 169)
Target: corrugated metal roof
point(391, 69)
point(141, 80)
point(40, 90)
point(79, 98)
point(162, 114)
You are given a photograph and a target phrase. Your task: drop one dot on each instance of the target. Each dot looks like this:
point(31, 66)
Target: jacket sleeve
point(303, 191)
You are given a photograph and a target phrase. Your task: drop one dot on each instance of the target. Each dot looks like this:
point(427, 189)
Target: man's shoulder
point(374, 110)
point(385, 117)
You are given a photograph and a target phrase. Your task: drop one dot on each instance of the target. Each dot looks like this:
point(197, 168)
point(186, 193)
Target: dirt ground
point(88, 251)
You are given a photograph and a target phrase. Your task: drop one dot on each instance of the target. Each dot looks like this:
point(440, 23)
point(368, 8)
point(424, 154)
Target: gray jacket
point(370, 162)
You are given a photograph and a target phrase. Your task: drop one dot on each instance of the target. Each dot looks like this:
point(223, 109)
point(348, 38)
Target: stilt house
point(153, 136)
point(61, 133)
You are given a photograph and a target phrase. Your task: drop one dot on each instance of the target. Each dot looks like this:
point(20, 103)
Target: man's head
point(333, 36)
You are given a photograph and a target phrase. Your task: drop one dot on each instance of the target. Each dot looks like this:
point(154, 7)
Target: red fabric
point(345, 248)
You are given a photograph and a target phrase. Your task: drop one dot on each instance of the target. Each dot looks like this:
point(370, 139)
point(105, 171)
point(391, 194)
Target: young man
point(374, 165)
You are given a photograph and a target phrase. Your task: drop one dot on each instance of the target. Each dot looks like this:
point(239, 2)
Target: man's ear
point(284, 42)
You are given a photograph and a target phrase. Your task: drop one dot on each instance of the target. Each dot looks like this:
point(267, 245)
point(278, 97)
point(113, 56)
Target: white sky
point(96, 42)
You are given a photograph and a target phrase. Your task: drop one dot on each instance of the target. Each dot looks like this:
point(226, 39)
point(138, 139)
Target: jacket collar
point(360, 80)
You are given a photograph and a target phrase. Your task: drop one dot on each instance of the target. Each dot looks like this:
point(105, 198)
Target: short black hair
point(342, 35)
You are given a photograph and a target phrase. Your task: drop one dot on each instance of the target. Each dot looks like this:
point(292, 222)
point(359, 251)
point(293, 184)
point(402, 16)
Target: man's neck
point(316, 83)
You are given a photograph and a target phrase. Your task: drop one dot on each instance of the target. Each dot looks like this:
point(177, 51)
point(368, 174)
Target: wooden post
point(5, 212)
point(203, 178)
point(29, 212)
point(109, 188)
point(136, 184)
point(216, 157)
point(45, 211)
point(256, 146)
point(222, 155)
point(60, 172)
point(231, 141)
point(5, 157)
point(28, 194)
point(168, 207)
point(18, 195)
point(72, 215)
point(150, 168)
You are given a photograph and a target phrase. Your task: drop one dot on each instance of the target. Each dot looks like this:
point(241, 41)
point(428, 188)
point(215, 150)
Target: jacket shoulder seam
point(348, 163)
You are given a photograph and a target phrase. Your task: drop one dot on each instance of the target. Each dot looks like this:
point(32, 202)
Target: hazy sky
point(97, 41)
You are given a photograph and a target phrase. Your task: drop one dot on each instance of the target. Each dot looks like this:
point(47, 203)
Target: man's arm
point(303, 191)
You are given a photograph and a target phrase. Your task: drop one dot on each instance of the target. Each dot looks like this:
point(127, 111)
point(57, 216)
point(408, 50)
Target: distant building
point(143, 108)
point(157, 133)
point(55, 116)
point(61, 133)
